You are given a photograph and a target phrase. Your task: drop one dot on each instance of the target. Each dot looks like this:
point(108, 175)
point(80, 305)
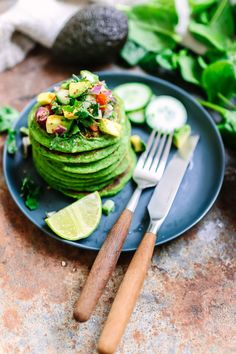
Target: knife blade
point(165, 192)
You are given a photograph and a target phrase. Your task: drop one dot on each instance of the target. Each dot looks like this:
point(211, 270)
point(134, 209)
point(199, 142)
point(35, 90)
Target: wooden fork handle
point(126, 297)
point(103, 267)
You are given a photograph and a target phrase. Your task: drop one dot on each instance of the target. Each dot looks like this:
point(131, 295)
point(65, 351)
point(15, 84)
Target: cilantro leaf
point(7, 117)
point(11, 142)
point(30, 193)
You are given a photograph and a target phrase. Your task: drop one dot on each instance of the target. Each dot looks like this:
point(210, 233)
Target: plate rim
point(157, 80)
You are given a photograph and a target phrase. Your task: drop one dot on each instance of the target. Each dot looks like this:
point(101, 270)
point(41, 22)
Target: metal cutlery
point(158, 208)
point(148, 172)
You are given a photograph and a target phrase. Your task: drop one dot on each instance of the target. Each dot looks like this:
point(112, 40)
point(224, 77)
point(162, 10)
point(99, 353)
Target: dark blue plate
point(196, 194)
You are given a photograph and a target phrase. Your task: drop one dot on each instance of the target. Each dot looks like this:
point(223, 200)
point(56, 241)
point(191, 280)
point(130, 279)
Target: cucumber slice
point(137, 117)
point(165, 114)
point(85, 74)
point(134, 95)
point(63, 96)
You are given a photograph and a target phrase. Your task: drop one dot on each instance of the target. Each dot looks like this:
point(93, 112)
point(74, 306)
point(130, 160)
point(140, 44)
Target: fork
point(147, 173)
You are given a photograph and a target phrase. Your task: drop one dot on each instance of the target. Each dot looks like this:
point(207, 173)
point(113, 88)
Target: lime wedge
point(79, 219)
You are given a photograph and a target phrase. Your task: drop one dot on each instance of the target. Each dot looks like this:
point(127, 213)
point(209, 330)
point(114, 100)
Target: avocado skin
point(93, 35)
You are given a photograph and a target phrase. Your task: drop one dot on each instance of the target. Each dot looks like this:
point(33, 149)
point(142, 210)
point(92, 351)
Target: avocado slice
point(77, 88)
point(57, 124)
point(69, 115)
point(46, 98)
point(137, 143)
point(108, 207)
point(110, 127)
point(181, 135)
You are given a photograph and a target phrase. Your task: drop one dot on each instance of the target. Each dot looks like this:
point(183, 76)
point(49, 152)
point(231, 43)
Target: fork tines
point(155, 157)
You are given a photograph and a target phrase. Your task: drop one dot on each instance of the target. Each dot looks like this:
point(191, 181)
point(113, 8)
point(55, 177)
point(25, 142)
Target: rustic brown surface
point(186, 306)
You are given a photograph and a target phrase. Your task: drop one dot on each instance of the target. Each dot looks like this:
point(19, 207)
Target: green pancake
point(52, 171)
point(79, 184)
point(113, 188)
point(86, 168)
point(83, 157)
point(76, 143)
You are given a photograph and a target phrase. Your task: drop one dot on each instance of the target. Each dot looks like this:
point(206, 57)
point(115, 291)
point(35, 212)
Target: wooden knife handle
point(103, 267)
point(126, 297)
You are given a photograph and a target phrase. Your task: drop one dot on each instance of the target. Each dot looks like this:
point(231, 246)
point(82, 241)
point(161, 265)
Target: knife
point(158, 208)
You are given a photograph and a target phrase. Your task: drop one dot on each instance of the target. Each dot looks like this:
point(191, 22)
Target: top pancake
point(79, 142)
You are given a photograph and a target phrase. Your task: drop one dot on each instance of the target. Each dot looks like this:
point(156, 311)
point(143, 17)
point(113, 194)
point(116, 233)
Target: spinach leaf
point(199, 6)
point(167, 59)
point(157, 15)
point(189, 68)
point(132, 53)
point(30, 193)
point(148, 39)
point(220, 28)
point(7, 117)
point(227, 125)
point(219, 77)
point(11, 142)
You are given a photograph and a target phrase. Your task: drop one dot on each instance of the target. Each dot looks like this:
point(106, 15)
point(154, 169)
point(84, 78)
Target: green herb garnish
point(30, 193)
point(209, 61)
point(11, 142)
point(7, 117)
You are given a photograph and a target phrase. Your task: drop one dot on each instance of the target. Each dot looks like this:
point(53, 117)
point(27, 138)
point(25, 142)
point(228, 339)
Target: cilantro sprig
point(30, 192)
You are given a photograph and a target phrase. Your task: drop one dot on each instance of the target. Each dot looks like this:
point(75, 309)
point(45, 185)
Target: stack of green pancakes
point(83, 162)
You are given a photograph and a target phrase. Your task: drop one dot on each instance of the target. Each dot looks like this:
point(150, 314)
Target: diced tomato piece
point(94, 127)
point(102, 99)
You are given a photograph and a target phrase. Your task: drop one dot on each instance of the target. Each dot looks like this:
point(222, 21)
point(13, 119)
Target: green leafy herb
point(154, 43)
point(219, 77)
point(148, 39)
point(158, 16)
point(85, 118)
point(227, 125)
point(132, 53)
point(199, 6)
point(56, 108)
point(11, 142)
point(189, 68)
point(220, 28)
point(7, 117)
point(24, 131)
point(30, 193)
point(167, 59)
point(76, 78)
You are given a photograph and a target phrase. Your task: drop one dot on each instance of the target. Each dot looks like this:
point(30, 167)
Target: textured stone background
point(187, 305)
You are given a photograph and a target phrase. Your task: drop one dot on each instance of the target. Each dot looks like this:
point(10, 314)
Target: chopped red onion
point(96, 89)
point(41, 116)
point(59, 130)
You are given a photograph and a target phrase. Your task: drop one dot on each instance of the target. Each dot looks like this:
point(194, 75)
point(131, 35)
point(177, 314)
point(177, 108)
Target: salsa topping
point(83, 102)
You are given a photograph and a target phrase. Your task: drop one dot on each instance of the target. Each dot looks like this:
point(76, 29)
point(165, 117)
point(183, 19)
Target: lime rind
point(79, 219)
